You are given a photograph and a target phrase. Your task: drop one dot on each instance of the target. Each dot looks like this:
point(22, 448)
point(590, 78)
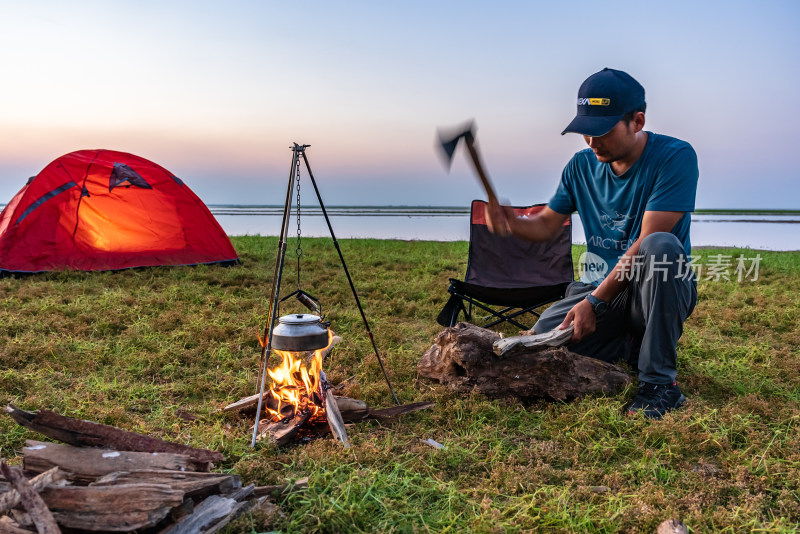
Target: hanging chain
point(299, 250)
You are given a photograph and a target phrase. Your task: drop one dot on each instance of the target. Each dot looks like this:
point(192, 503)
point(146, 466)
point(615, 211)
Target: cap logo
point(594, 101)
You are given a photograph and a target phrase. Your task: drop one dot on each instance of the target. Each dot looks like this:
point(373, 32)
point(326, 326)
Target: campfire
point(301, 403)
point(300, 395)
point(299, 391)
point(296, 387)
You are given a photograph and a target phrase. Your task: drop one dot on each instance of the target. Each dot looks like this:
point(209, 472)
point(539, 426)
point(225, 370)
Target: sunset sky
point(216, 92)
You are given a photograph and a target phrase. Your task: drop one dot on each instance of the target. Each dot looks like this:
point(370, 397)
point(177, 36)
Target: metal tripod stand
point(299, 151)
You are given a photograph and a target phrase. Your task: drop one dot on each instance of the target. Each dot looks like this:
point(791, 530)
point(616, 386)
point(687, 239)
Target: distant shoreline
point(260, 209)
point(465, 209)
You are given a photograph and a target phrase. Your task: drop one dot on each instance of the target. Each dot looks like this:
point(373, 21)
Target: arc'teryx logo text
point(594, 101)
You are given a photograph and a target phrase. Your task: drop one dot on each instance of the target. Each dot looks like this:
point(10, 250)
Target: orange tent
point(95, 210)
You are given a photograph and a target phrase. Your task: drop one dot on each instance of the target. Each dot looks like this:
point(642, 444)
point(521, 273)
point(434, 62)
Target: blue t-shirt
point(611, 207)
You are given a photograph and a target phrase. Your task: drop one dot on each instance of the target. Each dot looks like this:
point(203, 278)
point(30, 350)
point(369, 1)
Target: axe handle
point(487, 185)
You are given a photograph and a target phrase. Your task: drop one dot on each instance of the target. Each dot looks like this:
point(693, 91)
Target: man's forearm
point(619, 277)
point(536, 228)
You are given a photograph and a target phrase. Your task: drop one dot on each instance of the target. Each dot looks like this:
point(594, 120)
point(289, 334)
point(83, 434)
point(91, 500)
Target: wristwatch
point(599, 306)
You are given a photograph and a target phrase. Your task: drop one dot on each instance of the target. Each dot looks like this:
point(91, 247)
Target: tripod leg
point(274, 295)
point(350, 280)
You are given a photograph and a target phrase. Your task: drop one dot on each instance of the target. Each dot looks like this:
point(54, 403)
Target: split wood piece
point(214, 513)
point(31, 500)
point(281, 489)
point(89, 434)
point(9, 526)
point(114, 508)
point(86, 464)
point(10, 499)
point(282, 432)
point(332, 414)
point(519, 344)
point(462, 358)
point(193, 485)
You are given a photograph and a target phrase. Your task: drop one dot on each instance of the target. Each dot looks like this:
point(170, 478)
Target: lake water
point(762, 232)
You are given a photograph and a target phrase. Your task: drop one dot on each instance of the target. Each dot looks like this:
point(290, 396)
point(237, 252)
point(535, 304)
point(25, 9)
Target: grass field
point(159, 350)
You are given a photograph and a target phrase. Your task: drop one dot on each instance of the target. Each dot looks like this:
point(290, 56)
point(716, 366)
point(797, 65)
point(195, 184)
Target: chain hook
point(299, 250)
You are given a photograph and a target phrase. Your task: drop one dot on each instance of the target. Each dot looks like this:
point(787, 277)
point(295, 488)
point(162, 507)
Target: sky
point(217, 92)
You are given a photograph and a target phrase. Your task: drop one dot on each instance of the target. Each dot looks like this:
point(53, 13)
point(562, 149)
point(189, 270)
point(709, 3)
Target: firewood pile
point(104, 479)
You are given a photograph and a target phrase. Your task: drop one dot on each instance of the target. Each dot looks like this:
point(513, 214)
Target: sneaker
point(654, 400)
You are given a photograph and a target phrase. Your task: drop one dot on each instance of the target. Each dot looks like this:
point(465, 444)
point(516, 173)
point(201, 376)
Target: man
point(634, 191)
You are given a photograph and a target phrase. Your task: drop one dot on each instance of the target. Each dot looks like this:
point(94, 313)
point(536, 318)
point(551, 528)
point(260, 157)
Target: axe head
point(449, 139)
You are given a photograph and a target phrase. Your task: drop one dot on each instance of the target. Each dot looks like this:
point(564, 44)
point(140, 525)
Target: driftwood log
point(90, 434)
point(463, 359)
point(87, 464)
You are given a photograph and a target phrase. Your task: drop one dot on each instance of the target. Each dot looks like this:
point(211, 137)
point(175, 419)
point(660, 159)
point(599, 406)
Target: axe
point(449, 140)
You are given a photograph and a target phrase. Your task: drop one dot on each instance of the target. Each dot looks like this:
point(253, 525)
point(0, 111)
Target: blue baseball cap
point(603, 99)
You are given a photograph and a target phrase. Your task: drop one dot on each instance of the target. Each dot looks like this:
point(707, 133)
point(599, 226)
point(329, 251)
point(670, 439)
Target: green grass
point(158, 351)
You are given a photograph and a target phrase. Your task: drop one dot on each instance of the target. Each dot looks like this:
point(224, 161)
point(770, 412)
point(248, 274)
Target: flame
point(295, 386)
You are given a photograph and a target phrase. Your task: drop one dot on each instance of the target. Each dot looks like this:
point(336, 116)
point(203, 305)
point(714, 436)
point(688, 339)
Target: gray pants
point(646, 319)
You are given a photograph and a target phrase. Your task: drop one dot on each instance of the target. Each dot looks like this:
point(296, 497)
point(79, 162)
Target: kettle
point(300, 332)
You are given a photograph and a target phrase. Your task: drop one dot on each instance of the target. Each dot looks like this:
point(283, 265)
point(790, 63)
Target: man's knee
point(660, 243)
point(662, 256)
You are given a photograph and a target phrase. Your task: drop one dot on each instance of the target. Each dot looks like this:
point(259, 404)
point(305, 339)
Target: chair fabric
point(515, 275)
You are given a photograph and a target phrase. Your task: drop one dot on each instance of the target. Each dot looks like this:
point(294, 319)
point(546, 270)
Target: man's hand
point(582, 317)
point(499, 218)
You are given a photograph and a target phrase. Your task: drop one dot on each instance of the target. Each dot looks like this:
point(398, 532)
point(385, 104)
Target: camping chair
point(508, 276)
